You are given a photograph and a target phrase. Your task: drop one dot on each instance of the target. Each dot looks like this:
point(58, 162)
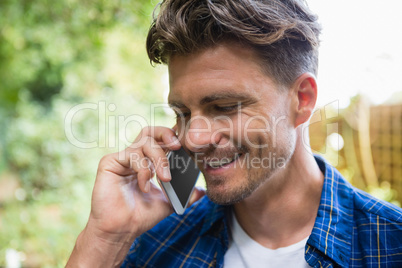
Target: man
point(242, 82)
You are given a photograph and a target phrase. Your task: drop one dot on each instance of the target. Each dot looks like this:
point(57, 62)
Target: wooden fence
point(371, 157)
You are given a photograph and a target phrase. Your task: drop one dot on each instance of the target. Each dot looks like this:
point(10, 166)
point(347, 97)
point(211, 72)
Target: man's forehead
point(226, 71)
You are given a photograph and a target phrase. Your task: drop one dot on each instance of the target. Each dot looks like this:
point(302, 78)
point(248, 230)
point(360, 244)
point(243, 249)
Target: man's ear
point(305, 89)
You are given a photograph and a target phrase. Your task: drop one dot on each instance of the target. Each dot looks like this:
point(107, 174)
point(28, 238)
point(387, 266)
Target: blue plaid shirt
point(352, 229)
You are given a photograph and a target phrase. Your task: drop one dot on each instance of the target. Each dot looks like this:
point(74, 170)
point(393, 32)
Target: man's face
point(232, 119)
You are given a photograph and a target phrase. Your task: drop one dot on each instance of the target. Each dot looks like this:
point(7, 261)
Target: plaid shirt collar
point(214, 216)
point(332, 231)
point(333, 228)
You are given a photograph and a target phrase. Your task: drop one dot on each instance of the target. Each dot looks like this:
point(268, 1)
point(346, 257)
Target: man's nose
point(200, 134)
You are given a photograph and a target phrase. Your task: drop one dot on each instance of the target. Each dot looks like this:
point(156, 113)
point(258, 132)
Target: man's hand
point(125, 203)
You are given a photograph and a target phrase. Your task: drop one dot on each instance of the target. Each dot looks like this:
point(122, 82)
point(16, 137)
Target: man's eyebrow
point(226, 95)
point(215, 97)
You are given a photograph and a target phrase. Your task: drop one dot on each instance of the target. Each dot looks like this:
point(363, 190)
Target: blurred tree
point(55, 55)
point(40, 39)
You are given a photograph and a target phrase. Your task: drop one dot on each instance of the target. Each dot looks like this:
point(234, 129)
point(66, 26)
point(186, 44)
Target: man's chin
point(227, 198)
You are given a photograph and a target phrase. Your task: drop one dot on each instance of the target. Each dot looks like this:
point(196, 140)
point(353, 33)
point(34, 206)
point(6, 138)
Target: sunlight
point(360, 51)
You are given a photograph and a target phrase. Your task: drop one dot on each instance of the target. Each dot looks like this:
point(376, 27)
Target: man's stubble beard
point(255, 176)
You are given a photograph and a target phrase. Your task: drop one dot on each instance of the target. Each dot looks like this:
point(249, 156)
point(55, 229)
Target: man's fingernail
point(175, 140)
point(166, 173)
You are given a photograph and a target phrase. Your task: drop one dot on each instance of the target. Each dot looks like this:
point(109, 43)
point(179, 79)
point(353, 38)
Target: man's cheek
point(256, 126)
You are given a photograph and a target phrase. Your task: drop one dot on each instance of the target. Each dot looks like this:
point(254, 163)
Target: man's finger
point(158, 158)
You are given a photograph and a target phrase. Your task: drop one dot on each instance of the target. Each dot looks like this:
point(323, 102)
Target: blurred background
point(76, 84)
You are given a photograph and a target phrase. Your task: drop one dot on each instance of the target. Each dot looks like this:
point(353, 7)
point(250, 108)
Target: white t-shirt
point(245, 252)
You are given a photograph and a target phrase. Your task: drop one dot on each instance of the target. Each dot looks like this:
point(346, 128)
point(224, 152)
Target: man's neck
point(282, 211)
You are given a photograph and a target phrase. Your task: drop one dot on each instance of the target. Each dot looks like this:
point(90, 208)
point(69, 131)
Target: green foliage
point(42, 39)
point(55, 55)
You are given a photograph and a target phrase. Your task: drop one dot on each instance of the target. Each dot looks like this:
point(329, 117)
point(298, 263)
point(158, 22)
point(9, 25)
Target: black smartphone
point(185, 174)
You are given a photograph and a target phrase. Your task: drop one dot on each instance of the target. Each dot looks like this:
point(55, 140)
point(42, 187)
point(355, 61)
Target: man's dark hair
point(284, 33)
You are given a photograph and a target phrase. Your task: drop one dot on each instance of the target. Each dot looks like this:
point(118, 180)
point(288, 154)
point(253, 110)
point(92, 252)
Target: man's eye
point(227, 108)
point(180, 114)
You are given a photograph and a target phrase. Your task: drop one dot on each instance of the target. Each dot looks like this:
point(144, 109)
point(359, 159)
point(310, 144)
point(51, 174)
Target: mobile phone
point(184, 177)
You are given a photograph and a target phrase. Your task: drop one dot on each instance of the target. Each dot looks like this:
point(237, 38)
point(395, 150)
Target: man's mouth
point(216, 163)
